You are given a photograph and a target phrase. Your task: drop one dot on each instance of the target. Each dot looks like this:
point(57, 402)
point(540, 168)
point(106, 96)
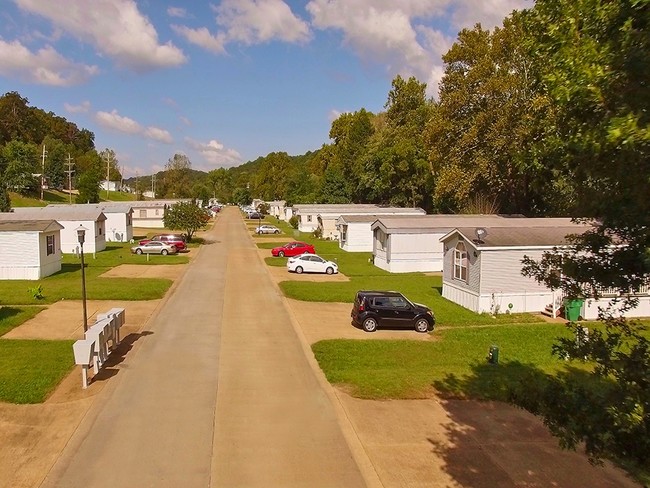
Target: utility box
point(493, 355)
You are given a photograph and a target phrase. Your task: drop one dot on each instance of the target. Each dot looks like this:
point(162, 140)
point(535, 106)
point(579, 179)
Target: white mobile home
point(70, 217)
point(404, 244)
point(485, 275)
point(355, 232)
point(149, 214)
point(30, 249)
point(276, 208)
point(323, 216)
point(119, 219)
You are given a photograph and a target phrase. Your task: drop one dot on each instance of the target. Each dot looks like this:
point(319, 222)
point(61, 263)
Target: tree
point(176, 181)
point(220, 184)
point(55, 160)
point(482, 132)
point(5, 203)
point(20, 161)
point(242, 196)
point(110, 164)
point(186, 216)
point(592, 60)
point(89, 185)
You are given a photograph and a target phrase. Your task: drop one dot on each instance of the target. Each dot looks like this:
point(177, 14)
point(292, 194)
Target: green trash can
point(493, 355)
point(572, 307)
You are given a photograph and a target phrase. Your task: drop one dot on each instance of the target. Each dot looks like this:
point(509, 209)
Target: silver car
point(154, 247)
point(267, 229)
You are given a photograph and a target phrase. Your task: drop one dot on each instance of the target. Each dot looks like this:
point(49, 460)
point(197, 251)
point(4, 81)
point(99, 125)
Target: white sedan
point(311, 263)
point(267, 229)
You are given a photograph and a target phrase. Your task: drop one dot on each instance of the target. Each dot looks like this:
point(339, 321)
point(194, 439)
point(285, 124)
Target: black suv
point(374, 309)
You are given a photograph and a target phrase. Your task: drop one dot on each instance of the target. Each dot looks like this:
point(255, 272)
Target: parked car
point(172, 239)
point(373, 309)
point(311, 263)
point(154, 247)
point(293, 249)
point(254, 215)
point(267, 229)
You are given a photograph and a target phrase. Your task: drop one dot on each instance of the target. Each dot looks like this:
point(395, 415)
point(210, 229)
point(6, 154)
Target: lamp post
point(81, 237)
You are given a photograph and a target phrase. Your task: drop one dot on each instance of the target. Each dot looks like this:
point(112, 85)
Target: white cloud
point(256, 21)
point(45, 66)
point(112, 120)
point(177, 12)
point(185, 120)
point(202, 37)
point(83, 108)
point(249, 22)
point(400, 34)
point(114, 27)
point(158, 134)
point(214, 153)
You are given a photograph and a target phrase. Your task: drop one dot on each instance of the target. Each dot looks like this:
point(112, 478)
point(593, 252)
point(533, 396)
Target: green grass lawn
point(11, 317)
point(116, 196)
point(409, 369)
point(49, 196)
point(31, 369)
point(66, 284)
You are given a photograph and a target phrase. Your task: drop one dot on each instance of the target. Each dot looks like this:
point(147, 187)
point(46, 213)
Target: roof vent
point(480, 234)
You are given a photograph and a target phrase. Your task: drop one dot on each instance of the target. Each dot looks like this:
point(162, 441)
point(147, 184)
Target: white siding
point(359, 237)
point(94, 242)
point(23, 256)
point(148, 217)
point(414, 252)
point(501, 272)
point(461, 296)
point(473, 283)
point(118, 227)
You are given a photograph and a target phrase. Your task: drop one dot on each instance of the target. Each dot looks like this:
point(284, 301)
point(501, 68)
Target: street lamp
point(81, 237)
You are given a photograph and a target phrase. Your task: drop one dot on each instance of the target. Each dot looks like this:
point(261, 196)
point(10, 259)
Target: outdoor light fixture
point(81, 237)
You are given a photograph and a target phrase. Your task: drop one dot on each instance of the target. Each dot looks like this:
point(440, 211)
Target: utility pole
point(136, 184)
point(69, 164)
point(43, 171)
point(108, 173)
point(153, 186)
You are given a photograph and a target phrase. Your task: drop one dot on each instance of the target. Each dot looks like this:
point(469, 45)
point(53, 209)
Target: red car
point(293, 249)
point(173, 239)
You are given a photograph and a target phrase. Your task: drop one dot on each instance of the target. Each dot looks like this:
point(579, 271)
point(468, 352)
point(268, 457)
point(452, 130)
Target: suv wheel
point(422, 325)
point(370, 324)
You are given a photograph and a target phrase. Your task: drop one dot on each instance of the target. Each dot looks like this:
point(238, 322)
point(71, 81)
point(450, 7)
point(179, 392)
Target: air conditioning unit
point(118, 237)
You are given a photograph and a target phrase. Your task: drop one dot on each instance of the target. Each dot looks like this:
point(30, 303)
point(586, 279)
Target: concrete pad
point(168, 271)
point(64, 319)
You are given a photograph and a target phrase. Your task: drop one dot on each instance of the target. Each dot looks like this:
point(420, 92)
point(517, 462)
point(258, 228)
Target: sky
point(223, 82)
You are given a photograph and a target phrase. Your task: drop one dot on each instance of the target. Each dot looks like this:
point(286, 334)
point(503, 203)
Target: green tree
point(592, 60)
point(5, 203)
point(242, 196)
point(220, 182)
point(55, 161)
point(395, 166)
point(482, 133)
point(334, 188)
point(110, 165)
point(272, 176)
point(176, 181)
point(186, 216)
point(20, 161)
point(89, 185)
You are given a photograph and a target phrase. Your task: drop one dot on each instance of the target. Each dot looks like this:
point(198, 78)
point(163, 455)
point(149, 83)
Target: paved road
point(220, 394)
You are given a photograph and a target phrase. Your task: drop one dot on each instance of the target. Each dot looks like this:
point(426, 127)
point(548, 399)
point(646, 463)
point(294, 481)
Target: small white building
point(149, 214)
point(276, 208)
point(324, 216)
point(404, 244)
point(355, 232)
point(485, 275)
point(111, 185)
point(30, 249)
point(70, 217)
point(119, 219)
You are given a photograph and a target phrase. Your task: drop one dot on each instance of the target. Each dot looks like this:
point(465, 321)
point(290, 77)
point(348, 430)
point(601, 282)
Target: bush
point(293, 221)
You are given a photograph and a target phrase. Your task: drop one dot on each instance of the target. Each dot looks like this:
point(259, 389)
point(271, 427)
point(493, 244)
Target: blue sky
point(223, 82)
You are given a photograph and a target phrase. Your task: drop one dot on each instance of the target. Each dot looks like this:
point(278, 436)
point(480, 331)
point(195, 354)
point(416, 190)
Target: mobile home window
point(50, 244)
point(143, 214)
point(460, 262)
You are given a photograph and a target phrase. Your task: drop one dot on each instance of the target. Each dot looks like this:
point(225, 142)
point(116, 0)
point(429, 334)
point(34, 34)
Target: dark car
point(373, 309)
point(293, 249)
point(254, 215)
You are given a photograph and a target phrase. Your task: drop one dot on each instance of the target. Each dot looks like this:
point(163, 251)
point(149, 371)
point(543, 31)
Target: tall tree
point(20, 161)
point(89, 187)
point(110, 165)
point(482, 131)
point(176, 181)
point(592, 56)
point(55, 161)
